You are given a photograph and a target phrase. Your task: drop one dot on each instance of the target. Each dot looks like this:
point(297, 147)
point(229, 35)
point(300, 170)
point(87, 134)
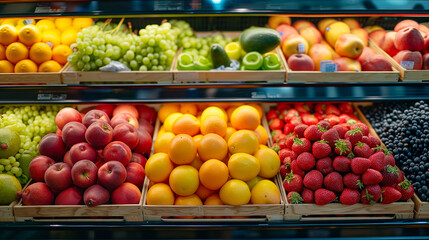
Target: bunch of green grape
point(32, 123)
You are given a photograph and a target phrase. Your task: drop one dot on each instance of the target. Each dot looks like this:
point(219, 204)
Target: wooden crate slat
point(6, 212)
point(30, 78)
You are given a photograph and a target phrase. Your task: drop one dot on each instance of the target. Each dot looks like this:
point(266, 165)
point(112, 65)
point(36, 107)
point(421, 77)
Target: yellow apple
point(294, 44)
point(349, 45)
point(319, 52)
point(334, 31)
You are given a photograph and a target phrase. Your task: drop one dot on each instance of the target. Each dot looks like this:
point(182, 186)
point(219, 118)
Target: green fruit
point(219, 56)
point(259, 39)
point(271, 62)
point(24, 162)
point(252, 182)
point(9, 143)
point(253, 61)
point(9, 187)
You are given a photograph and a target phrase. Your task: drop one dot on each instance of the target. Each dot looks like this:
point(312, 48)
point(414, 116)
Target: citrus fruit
point(213, 199)
point(161, 131)
point(169, 121)
point(163, 142)
point(2, 52)
point(214, 111)
point(233, 50)
point(213, 174)
point(235, 192)
point(243, 141)
point(184, 180)
point(166, 110)
point(213, 124)
point(63, 23)
point(269, 161)
point(261, 134)
point(196, 163)
point(51, 37)
point(6, 66)
point(182, 149)
point(262, 146)
point(25, 66)
point(190, 108)
point(229, 132)
point(44, 25)
point(212, 146)
point(258, 108)
point(265, 192)
point(50, 66)
point(158, 167)
point(29, 35)
point(8, 34)
point(16, 52)
point(68, 36)
point(60, 53)
point(197, 139)
point(9, 187)
point(160, 194)
point(243, 166)
point(245, 117)
point(186, 124)
point(81, 23)
point(230, 110)
point(40, 52)
point(252, 182)
point(203, 192)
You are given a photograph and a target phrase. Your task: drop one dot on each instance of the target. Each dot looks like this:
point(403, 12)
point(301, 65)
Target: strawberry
point(302, 108)
point(389, 195)
point(276, 134)
point(286, 152)
point(301, 145)
point(371, 177)
point(351, 122)
point(324, 165)
point(389, 159)
point(306, 161)
point(349, 196)
point(282, 143)
point(346, 108)
point(331, 109)
point(293, 182)
point(390, 176)
point(283, 170)
point(294, 167)
point(343, 147)
point(308, 195)
point(319, 116)
point(331, 136)
point(324, 124)
point(288, 128)
point(309, 119)
point(313, 180)
point(272, 114)
point(364, 128)
point(323, 196)
point(299, 130)
point(276, 124)
point(360, 165)
point(321, 149)
point(332, 119)
point(334, 182)
point(354, 135)
point(365, 139)
point(289, 140)
point(346, 126)
point(341, 164)
point(314, 132)
point(363, 150)
point(401, 177)
point(296, 120)
point(283, 106)
point(406, 189)
point(352, 181)
point(373, 141)
point(290, 114)
point(294, 198)
point(370, 194)
point(287, 160)
point(343, 118)
point(341, 130)
point(275, 147)
point(377, 161)
point(320, 108)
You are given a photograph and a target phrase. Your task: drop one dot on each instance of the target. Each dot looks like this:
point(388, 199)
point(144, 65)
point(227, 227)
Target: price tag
point(301, 48)
point(50, 44)
point(407, 64)
point(44, 96)
point(28, 21)
point(328, 66)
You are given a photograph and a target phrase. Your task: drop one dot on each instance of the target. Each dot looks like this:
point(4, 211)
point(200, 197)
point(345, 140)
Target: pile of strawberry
point(328, 155)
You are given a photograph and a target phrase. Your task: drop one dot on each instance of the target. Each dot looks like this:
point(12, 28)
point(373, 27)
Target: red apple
point(66, 158)
point(82, 151)
point(38, 167)
point(93, 116)
point(124, 117)
point(127, 193)
point(377, 36)
point(117, 151)
point(145, 143)
point(300, 62)
point(112, 174)
point(52, 145)
point(59, 132)
point(388, 44)
point(37, 194)
point(58, 176)
point(366, 52)
point(67, 115)
point(376, 62)
point(426, 43)
point(107, 108)
point(138, 158)
point(135, 174)
point(96, 195)
point(126, 108)
point(84, 173)
point(409, 39)
point(410, 56)
point(127, 134)
point(99, 134)
point(73, 132)
point(406, 23)
point(86, 110)
point(147, 126)
point(70, 196)
point(425, 62)
point(146, 113)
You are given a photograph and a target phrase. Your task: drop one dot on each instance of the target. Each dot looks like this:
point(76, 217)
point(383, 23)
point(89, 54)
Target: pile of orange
point(212, 155)
point(27, 45)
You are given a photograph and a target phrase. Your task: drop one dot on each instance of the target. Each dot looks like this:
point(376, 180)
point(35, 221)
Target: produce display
point(327, 153)
point(97, 156)
point(212, 155)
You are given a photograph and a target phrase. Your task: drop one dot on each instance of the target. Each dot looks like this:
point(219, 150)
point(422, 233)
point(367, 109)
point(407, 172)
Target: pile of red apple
point(408, 44)
point(96, 157)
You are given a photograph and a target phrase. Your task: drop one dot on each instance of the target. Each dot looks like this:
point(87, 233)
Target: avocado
point(259, 39)
point(219, 56)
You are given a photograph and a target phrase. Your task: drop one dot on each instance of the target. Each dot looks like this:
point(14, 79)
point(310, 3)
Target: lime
point(251, 183)
point(233, 50)
point(24, 162)
point(9, 187)
point(9, 143)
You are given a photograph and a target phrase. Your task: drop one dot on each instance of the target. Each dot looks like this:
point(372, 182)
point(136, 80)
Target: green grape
point(142, 68)
point(1, 168)
point(8, 167)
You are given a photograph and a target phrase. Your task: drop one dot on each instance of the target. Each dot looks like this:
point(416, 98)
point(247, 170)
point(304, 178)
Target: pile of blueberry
point(404, 129)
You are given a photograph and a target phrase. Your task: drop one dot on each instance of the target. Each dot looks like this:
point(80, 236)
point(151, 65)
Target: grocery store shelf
point(158, 93)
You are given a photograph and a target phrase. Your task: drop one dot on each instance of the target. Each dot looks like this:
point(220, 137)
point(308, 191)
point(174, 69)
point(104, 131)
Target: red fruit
point(37, 194)
point(145, 125)
point(295, 169)
point(295, 120)
point(360, 165)
point(290, 140)
point(96, 195)
point(282, 143)
point(389, 195)
point(352, 181)
point(346, 108)
point(390, 176)
point(320, 108)
point(373, 141)
point(341, 130)
point(38, 167)
point(299, 130)
point(406, 189)
point(324, 124)
point(364, 128)
point(70, 196)
point(301, 145)
point(283, 171)
point(52, 145)
point(308, 196)
point(389, 159)
point(127, 193)
point(275, 134)
point(117, 151)
point(371, 177)
point(127, 134)
point(82, 151)
point(93, 116)
point(320, 116)
point(363, 150)
point(84, 173)
point(289, 115)
point(147, 113)
point(283, 106)
point(138, 158)
point(99, 134)
point(135, 174)
point(314, 132)
point(306, 161)
point(332, 119)
point(302, 108)
point(377, 161)
point(276, 124)
point(323, 196)
point(294, 198)
point(107, 108)
point(331, 109)
point(112, 174)
point(349, 196)
point(343, 147)
point(344, 118)
point(67, 115)
point(313, 180)
point(58, 176)
point(334, 182)
point(354, 135)
point(145, 143)
point(324, 165)
point(272, 114)
point(341, 164)
point(370, 194)
point(321, 149)
point(73, 132)
point(293, 183)
point(331, 136)
point(286, 152)
point(309, 119)
point(401, 177)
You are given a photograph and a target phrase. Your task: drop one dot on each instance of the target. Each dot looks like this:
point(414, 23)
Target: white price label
point(328, 66)
point(50, 44)
point(28, 21)
point(407, 64)
point(301, 48)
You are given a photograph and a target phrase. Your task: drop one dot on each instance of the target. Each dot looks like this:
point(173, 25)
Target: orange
point(44, 25)
point(190, 108)
point(162, 142)
point(269, 161)
point(63, 23)
point(29, 35)
point(212, 146)
point(196, 163)
point(2, 52)
point(258, 108)
point(50, 66)
point(213, 199)
point(213, 124)
point(243, 141)
point(160, 132)
point(261, 134)
point(16, 52)
point(25, 66)
point(245, 117)
point(263, 146)
point(197, 139)
point(40, 52)
point(169, 121)
point(203, 192)
point(51, 37)
point(60, 53)
point(243, 166)
point(160, 194)
point(81, 23)
point(6, 66)
point(230, 110)
point(182, 149)
point(192, 200)
point(265, 192)
point(186, 124)
point(214, 111)
point(235, 192)
point(8, 34)
point(229, 132)
point(213, 174)
point(167, 109)
point(68, 36)
point(184, 180)
point(158, 167)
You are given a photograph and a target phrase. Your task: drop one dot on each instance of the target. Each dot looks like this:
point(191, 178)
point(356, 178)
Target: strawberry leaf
point(405, 184)
point(351, 121)
point(295, 198)
point(354, 131)
point(290, 134)
point(368, 196)
point(360, 144)
point(386, 152)
point(323, 141)
point(360, 184)
point(351, 155)
point(342, 146)
point(322, 129)
point(276, 149)
point(298, 141)
point(392, 169)
point(289, 177)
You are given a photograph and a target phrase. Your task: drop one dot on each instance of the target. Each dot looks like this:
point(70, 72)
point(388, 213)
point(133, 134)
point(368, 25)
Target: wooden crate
point(405, 75)
point(30, 78)
point(6, 213)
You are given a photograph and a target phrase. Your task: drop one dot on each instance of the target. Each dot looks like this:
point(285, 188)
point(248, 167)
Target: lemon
point(9, 187)
point(233, 50)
